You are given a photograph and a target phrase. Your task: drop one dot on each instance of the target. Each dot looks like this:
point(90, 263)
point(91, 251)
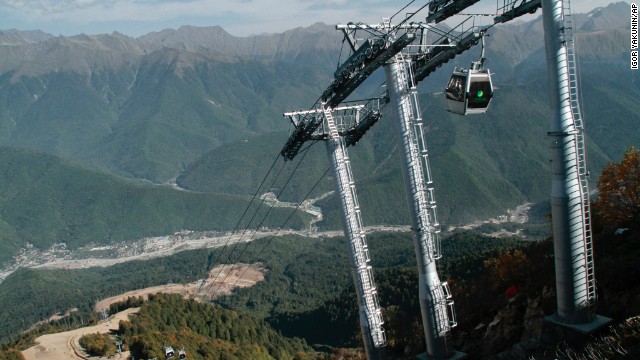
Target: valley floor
point(156, 247)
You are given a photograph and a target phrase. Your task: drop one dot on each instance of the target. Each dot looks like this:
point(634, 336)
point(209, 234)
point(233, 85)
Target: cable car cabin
point(168, 352)
point(182, 354)
point(469, 91)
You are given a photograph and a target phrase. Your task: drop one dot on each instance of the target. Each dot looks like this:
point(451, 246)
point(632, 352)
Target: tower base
point(457, 355)
point(585, 329)
point(576, 336)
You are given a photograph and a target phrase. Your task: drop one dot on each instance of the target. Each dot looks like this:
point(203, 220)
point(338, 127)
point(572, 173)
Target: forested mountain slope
point(45, 200)
point(145, 108)
point(482, 164)
point(148, 107)
point(208, 106)
point(204, 332)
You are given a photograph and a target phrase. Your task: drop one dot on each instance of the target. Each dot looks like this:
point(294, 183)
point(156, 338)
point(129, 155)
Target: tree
point(98, 344)
point(618, 204)
point(11, 354)
point(508, 269)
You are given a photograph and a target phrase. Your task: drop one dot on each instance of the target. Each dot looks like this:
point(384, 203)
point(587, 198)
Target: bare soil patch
point(65, 345)
point(221, 281)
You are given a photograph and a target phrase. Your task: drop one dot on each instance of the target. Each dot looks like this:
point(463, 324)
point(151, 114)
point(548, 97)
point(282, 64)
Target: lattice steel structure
point(339, 128)
point(436, 305)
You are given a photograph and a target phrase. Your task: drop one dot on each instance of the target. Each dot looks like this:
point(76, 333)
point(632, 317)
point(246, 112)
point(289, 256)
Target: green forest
point(45, 200)
point(205, 331)
point(302, 274)
point(93, 159)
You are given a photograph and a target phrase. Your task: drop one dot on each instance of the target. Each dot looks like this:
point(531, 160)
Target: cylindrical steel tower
point(575, 279)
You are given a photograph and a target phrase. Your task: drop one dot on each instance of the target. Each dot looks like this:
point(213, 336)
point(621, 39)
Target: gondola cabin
point(182, 354)
point(469, 91)
point(168, 352)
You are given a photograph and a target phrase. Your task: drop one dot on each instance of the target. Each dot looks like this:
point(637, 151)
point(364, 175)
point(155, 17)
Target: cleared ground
point(222, 279)
point(65, 345)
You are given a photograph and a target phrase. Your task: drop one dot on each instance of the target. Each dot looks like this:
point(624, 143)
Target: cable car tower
point(405, 65)
point(570, 207)
point(340, 127)
point(436, 305)
point(385, 48)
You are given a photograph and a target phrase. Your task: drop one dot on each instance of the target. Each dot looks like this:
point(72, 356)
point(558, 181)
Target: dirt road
point(62, 346)
point(222, 279)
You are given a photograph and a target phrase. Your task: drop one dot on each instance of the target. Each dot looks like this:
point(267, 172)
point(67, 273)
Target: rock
point(504, 330)
point(533, 320)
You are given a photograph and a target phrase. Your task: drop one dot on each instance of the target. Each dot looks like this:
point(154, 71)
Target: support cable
point(245, 212)
point(240, 221)
point(395, 28)
point(340, 56)
point(399, 11)
point(283, 224)
point(235, 246)
point(257, 227)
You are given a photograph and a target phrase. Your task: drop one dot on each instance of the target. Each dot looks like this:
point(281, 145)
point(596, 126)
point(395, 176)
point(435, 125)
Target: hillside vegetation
point(308, 291)
point(205, 331)
point(45, 200)
point(294, 283)
point(142, 110)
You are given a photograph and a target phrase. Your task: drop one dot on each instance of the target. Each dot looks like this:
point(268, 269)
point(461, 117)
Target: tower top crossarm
point(382, 27)
point(509, 10)
point(440, 10)
point(352, 122)
point(369, 56)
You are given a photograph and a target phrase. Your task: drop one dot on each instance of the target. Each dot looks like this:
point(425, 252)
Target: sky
point(238, 17)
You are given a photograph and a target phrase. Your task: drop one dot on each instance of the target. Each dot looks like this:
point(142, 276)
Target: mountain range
point(205, 107)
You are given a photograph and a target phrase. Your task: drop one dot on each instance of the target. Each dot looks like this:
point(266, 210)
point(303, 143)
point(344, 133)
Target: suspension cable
point(241, 218)
point(255, 257)
point(235, 246)
point(395, 28)
point(259, 225)
point(399, 11)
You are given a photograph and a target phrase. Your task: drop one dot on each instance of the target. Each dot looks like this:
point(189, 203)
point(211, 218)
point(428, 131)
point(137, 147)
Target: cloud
point(49, 6)
point(239, 17)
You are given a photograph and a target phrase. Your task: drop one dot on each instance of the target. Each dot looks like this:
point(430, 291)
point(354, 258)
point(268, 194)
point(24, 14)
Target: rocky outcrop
point(515, 327)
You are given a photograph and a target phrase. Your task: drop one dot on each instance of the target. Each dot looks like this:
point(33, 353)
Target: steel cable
point(281, 226)
point(259, 225)
point(240, 220)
